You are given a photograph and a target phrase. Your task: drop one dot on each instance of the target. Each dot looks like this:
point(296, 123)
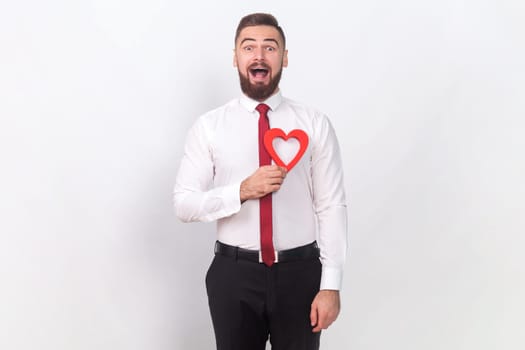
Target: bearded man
point(281, 226)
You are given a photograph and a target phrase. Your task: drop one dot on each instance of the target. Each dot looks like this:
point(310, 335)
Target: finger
point(275, 177)
point(313, 315)
point(276, 180)
point(282, 170)
point(273, 174)
point(279, 171)
point(271, 167)
point(265, 169)
point(321, 320)
point(272, 180)
point(276, 188)
point(319, 326)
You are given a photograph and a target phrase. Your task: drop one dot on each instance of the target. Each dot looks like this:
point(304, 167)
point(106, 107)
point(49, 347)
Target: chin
point(259, 91)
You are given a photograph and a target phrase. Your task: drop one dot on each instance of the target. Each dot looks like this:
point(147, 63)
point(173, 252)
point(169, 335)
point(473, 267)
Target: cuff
point(331, 278)
point(232, 198)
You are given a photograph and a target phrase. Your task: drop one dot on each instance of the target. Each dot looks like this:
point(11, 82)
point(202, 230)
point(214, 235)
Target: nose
point(259, 53)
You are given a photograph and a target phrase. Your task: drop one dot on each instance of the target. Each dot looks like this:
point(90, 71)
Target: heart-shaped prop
point(300, 135)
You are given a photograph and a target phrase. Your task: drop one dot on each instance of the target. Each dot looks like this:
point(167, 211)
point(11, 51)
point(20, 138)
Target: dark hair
point(259, 19)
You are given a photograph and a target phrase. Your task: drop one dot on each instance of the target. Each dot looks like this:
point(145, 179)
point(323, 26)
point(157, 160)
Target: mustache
point(259, 65)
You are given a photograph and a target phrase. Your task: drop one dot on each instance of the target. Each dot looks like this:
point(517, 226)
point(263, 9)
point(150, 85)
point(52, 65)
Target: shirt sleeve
point(329, 204)
point(194, 197)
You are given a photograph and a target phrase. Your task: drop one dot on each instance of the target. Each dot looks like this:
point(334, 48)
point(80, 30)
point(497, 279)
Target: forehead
point(260, 33)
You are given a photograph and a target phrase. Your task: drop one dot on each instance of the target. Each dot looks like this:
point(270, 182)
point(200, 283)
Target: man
point(269, 277)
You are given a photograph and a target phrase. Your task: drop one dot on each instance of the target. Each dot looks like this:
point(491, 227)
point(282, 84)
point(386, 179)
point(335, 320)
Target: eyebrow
point(251, 39)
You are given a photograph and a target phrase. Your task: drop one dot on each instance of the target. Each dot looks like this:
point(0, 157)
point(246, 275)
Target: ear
point(285, 58)
point(234, 58)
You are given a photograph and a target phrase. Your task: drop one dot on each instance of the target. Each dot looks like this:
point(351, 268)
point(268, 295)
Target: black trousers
point(250, 302)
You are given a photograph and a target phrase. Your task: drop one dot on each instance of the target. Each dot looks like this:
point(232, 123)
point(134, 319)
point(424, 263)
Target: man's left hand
point(325, 309)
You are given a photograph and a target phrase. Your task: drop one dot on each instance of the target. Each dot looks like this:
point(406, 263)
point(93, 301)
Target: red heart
point(300, 135)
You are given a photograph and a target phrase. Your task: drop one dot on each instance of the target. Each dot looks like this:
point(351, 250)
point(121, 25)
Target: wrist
point(329, 291)
point(242, 192)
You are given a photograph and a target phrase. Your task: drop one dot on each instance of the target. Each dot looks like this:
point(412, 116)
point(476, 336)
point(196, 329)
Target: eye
point(248, 48)
point(270, 48)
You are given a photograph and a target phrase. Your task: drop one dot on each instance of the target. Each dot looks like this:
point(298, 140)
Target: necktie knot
point(262, 108)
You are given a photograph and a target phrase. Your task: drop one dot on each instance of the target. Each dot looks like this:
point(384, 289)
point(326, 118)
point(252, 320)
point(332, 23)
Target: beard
point(259, 92)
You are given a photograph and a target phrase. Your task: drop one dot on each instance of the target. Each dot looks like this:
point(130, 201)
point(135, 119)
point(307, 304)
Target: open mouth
point(259, 73)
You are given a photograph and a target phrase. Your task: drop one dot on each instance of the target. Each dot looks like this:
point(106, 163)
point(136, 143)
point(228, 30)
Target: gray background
point(95, 101)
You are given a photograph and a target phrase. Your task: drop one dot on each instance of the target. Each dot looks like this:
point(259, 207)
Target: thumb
point(313, 314)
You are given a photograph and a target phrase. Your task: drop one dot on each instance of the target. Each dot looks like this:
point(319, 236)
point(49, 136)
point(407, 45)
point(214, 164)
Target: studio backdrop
point(96, 97)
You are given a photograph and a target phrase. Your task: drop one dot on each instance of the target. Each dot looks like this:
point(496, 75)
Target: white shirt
point(222, 150)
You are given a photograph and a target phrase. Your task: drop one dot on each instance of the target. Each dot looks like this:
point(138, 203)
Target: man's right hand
point(264, 180)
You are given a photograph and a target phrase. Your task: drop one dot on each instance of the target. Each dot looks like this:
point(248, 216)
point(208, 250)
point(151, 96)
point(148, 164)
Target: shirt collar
point(273, 101)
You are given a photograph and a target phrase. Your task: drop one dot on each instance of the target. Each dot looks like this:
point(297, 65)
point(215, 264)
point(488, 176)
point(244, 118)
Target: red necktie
point(265, 203)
